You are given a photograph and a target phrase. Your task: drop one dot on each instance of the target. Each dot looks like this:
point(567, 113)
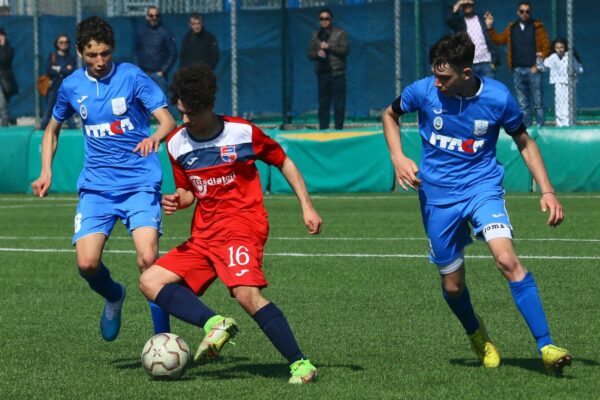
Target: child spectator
point(558, 65)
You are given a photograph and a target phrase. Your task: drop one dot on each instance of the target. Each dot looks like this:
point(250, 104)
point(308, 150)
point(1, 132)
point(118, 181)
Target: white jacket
point(559, 68)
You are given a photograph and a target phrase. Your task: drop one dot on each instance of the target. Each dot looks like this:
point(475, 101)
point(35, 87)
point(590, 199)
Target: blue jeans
point(529, 94)
point(484, 69)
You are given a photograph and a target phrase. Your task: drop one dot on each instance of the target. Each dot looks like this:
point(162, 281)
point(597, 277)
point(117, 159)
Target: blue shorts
point(448, 230)
point(97, 212)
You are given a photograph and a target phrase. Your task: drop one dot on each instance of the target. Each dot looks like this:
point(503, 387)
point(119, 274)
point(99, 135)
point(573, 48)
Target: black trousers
point(332, 89)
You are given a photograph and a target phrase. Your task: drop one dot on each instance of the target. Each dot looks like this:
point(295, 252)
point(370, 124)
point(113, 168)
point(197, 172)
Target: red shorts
point(235, 259)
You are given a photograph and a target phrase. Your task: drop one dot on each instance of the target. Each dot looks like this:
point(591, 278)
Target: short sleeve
point(148, 92)
point(512, 118)
point(179, 176)
point(267, 149)
point(62, 109)
point(410, 100)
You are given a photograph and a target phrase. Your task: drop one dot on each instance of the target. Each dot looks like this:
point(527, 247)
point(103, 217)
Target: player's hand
point(313, 221)
point(170, 203)
point(147, 146)
point(41, 185)
point(549, 201)
point(489, 19)
point(324, 45)
point(406, 171)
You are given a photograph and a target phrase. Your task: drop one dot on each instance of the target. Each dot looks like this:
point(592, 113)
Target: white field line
point(334, 197)
point(345, 255)
point(321, 238)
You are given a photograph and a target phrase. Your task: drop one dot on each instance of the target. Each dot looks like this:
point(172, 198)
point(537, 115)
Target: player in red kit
point(213, 159)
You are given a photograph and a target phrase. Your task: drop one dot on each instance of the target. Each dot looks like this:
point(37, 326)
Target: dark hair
point(57, 38)
point(2, 32)
point(566, 44)
point(456, 50)
point(96, 29)
point(195, 86)
point(197, 16)
point(325, 10)
point(559, 40)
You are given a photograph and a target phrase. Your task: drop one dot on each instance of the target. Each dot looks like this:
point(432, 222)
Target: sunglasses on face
point(63, 42)
point(524, 11)
point(324, 19)
point(153, 15)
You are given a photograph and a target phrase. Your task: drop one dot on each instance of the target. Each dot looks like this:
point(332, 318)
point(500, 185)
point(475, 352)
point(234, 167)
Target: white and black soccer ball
point(165, 356)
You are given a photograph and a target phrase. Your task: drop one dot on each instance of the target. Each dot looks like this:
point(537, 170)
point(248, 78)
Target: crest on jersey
point(119, 106)
point(83, 111)
point(480, 127)
point(200, 185)
point(228, 153)
point(438, 122)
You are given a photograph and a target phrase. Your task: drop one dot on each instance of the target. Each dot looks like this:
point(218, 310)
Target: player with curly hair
point(213, 159)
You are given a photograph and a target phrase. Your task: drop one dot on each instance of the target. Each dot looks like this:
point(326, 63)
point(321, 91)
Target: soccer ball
point(165, 356)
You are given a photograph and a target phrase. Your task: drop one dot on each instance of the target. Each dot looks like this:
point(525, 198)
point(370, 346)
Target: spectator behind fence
point(486, 55)
point(8, 84)
point(60, 64)
point(526, 40)
point(199, 46)
point(154, 48)
point(329, 47)
point(558, 65)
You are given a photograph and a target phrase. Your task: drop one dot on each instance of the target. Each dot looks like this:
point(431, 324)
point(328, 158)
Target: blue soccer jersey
point(114, 111)
point(459, 136)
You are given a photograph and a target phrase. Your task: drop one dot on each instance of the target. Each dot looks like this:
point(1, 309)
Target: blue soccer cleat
point(110, 323)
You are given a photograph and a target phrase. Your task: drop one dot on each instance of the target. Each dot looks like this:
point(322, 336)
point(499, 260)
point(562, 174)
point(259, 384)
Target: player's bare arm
point(533, 159)
point(406, 169)
point(311, 218)
point(181, 199)
point(42, 184)
point(166, 124)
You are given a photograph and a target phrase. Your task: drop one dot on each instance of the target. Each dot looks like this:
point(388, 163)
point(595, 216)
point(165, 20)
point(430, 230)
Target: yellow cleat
point(484, 348)
point(555, 359)
point(221, 333)
point(302, 372)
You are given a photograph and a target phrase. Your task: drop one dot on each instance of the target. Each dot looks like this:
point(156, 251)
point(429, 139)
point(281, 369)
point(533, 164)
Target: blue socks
point(526, 297)
point(273, 323)
point(463, 309)
point(181, 302)
point(103, 284)
point(160, 319)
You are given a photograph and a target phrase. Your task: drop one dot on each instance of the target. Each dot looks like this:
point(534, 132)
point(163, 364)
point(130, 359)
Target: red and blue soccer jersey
point(221, 172)
point(230, 224)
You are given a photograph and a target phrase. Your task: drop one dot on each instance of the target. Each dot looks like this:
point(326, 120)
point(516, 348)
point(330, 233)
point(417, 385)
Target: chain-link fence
point(264, 72)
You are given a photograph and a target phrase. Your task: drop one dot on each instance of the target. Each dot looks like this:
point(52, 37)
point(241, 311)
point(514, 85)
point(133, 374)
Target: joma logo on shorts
point(494, 226)
point(455, 144)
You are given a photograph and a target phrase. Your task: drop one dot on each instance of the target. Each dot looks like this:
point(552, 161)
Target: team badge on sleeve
point(480, 127)
point(119, 106)
point(83, 111)
point(228, 153)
